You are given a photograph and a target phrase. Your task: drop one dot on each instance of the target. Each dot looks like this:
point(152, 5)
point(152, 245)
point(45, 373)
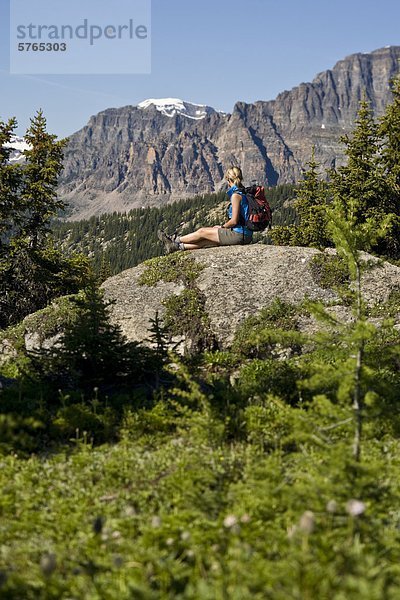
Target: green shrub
point(268, 423)
point(271, 332)
point(176, 267)
point(269, 376)
point(185, 316)
point(19, 434)
point(329, 271)
point(99, 425)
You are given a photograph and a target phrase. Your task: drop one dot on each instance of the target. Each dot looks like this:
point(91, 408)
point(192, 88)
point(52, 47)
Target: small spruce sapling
point(351, 370)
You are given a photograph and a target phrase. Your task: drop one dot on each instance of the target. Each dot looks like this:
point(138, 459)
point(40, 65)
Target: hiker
point(230, 233)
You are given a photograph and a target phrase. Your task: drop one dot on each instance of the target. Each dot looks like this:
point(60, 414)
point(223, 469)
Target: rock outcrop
point(138, 155)
point(238, 282)
point(233, 283)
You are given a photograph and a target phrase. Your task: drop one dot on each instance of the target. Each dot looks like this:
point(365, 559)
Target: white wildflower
point(230, 521)
point(331, 506)
point(130, 511)
point(307, 522)
point(291, 531)
point(355, 508)
point(156, 522)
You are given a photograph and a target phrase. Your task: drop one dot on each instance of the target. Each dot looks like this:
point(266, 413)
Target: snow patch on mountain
point(18, 144)
point(174, 106)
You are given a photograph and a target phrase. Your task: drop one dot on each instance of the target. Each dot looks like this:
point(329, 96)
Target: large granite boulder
point(238, 282)
point(232, 283)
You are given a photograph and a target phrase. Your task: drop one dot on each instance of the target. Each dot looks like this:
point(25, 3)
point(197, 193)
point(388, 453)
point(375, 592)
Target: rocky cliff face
point(134, 156)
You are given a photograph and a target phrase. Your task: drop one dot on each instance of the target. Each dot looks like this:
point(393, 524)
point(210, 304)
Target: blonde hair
point(235, 175)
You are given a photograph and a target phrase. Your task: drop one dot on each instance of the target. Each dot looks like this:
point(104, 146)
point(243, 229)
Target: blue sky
point(211, 51)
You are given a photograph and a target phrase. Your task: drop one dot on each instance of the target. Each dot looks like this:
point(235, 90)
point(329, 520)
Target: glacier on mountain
point(18, 144)
point(174, 106)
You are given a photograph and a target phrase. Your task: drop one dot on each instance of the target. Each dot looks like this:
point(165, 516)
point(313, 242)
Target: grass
point(185, 514)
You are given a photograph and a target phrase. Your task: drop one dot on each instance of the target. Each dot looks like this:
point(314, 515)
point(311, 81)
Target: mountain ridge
point(129, 157)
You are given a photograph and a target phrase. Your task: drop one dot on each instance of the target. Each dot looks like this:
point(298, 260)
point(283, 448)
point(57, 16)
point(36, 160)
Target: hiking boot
point(169, 243)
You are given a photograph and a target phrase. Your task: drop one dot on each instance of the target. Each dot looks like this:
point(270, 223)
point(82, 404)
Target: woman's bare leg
point(199, 245)
point(204, 234)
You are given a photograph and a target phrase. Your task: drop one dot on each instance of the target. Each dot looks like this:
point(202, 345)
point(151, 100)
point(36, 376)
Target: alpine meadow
point(202, 462)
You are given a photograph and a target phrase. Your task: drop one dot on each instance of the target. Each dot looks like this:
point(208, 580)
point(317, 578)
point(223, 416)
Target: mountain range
point(18, 145)
point(167, 149)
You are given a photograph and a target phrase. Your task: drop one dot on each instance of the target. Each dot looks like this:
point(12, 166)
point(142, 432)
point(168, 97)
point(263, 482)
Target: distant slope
point(167, 149)
point(119, 241)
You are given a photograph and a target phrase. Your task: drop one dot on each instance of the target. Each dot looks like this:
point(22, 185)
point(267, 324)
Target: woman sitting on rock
point(231, 233)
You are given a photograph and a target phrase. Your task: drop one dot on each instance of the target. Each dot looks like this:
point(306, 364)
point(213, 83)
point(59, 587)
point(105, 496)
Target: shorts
point(227, 237)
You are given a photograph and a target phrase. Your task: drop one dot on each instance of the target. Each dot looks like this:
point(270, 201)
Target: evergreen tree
point(159, 337)
point(32, 269)
point(389, 130)
point(311, 200)
point(10, 186)
point(310, 204)
point(93, 350)
point(43, 167)
point(160, 340)
point(105, 269)
point(30, 280)
point(348, 359)
point(358, 184)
